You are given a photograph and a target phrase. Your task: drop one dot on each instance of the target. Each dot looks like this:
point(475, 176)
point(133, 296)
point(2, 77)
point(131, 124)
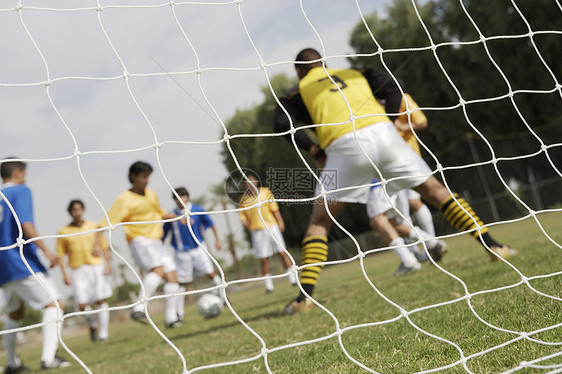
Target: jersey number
point(338, 81)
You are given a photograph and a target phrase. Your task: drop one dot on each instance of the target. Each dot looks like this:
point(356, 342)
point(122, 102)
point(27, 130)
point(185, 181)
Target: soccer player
point(87, 272)
point(267, 237)
point(354, 132)
point(19, 284)
point(377, 204)
point(140, 204)
point(379, 208)
point(190, 257)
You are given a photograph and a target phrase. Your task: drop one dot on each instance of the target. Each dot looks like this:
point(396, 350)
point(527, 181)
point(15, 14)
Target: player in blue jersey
point(19, 283)
point(190, 257)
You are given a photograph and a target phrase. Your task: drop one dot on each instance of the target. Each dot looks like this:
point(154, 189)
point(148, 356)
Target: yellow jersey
point(252, 216)
point(79, 247)
point(416, 117)
point(337, 110)
point(132, 207)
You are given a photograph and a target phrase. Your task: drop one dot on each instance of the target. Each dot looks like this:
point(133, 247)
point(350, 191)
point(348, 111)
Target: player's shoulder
point(197, 208)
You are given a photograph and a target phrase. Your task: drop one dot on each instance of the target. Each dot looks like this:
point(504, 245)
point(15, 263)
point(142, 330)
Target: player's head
point(303, 64)
point(252, 182)
point(183, 194)
point(139, 173)
point(13, 170)
point(76, 209)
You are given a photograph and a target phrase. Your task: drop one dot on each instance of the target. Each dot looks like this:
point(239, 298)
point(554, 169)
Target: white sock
point(181, 303)
point(103, 318)
point(422, 234)
point(151, 281)
point(403, 253)
point(292, 277)
point(268, 283)
point(12, 359)
point(425, 220)
point(90, 317)
point(171, 289)
point(218, 281)
point(50, 338)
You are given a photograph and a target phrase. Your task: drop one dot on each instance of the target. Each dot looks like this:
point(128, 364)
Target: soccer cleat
point(175, 324)
point(438, 251)
point(58, 362)
point(18, 369)
point(139, 317)
point(295, 307)
point(503, 251)
point(403, 269)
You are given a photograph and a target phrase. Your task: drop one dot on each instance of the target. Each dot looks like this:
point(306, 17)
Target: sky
point(84, 93)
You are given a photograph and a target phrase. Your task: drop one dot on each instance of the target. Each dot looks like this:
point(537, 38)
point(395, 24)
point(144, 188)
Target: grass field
point(384, 346)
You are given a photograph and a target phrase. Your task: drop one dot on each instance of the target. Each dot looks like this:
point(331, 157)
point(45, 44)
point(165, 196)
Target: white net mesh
point(88, 87)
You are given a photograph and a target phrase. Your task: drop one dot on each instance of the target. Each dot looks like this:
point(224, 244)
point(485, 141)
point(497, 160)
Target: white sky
point(92, 98)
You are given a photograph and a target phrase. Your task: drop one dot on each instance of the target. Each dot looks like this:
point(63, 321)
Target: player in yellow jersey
point(88, 273)
point(140, 204)
point(357, 138)
point(267, 237)
point(380, 208)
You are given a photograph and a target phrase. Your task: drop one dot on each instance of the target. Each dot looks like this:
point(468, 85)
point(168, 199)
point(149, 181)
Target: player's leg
point(30, 290)
point(171, 288)
point(391, 238)
point(13, 320)
point(203, 264)
point(436, 248)
point(422, 215)
point(102, 291)
point(315, 244)
point(460, 214)
point(314, 250)
point(147, 259)
point(278, 247)
point(83, 287)
point(184, 271)
point(266, 273)
point(379, 208)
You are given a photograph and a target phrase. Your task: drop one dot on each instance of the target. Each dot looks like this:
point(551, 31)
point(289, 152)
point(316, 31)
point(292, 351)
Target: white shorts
point(377, 203)
point(264, 243)
point(29, 291)
point(192, 261)
point(347, 165)
point(151, 253)
point(90, 284)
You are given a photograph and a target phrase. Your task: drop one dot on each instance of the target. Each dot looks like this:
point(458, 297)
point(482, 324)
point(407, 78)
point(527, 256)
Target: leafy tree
point(474, 76)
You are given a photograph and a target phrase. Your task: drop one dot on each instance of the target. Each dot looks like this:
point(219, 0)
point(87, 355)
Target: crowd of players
point(358, 127)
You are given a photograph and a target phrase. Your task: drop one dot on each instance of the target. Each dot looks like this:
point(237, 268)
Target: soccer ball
point(209, 305)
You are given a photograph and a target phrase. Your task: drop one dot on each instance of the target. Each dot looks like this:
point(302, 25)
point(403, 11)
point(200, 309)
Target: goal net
point(89, 87)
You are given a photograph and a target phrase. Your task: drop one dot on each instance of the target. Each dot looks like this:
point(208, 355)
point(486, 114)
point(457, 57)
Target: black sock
point(309, 288)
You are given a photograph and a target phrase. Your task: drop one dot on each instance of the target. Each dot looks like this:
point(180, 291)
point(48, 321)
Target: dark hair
point(252, 174)
point(8, 167)
point(181, 191)
point(306, 55)
point(139, 167)
point(75, 201)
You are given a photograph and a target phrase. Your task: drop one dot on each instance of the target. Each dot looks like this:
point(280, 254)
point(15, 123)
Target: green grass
point(396, 347)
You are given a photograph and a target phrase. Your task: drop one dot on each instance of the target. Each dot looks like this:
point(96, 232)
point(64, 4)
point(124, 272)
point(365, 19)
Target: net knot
point(20, 242)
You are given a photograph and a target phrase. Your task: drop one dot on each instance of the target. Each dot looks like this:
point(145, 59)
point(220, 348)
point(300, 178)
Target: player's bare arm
point(29, 232)
point(279, 220)
point(218, 243)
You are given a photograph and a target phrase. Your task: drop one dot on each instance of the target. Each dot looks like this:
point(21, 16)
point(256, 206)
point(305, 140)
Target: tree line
point(483, 75)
